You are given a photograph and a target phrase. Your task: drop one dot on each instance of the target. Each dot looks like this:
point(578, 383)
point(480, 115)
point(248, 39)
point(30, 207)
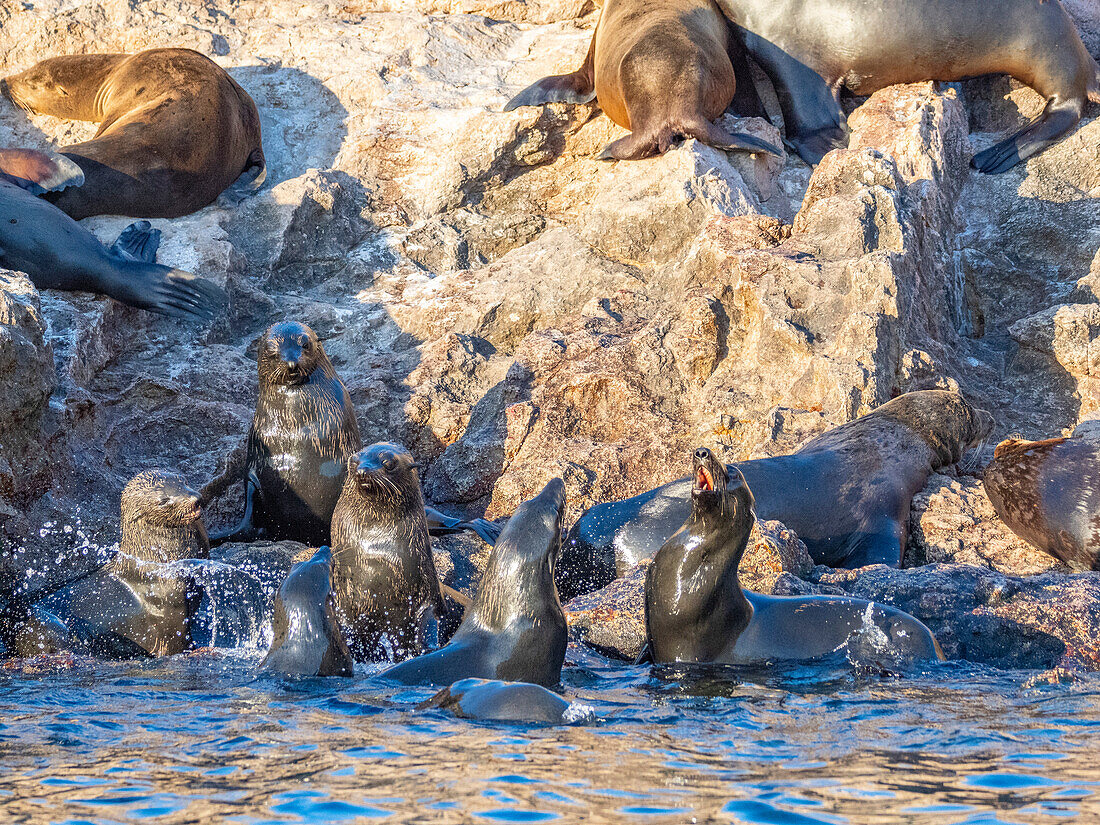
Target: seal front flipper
point(137, 242)
point(39, 172)
point(244, 531)
point(249, 183)
point(1058, 118)
point(440, 524)
point(575, 87)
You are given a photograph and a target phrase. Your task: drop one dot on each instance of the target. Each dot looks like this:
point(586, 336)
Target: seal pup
point(812, 50)
point(383, 574)
point(145, 600)
point(660, 68)
point(175, 130)
point(302, 433)
point(846, 493)
point(58, 253)
point(496, 701)
point(308, 640)
point(696, 611)
point(1047, 494)
point(515, 629)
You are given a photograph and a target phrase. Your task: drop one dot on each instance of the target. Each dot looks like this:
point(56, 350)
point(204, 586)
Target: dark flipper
point(643, 144)
point(250, 181)
point(575, 87)
point(137, 242)
point(244, 531)
point(168, 291)
point(39, 172)
point(714, 135)
point(440, 524)
point(1057, 118)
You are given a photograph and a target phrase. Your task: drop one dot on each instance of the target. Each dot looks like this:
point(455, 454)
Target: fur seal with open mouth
point(696, 611)
point(175, 130)
point(515, 630)
point(660, 68)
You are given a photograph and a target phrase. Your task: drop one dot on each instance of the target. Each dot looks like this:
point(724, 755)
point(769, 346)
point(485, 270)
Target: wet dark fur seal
point(846, 493)
point(811, 50)
point(515, 630)
point(58, 253)
point(497, 701)
point(175, 130)
point(308, 640)
point(696, 611)
point(1048, 493)
point(302, 433)
point(660, 68)
point(145, 600)
point(383, 574)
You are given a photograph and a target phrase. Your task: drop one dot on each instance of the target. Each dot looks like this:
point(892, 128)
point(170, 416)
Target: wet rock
point(953, 522)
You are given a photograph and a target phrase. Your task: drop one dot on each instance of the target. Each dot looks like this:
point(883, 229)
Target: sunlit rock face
point(512, 309)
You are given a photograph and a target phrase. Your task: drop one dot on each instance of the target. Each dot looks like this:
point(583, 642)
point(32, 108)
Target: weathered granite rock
point(952, 521)
point(612, 619)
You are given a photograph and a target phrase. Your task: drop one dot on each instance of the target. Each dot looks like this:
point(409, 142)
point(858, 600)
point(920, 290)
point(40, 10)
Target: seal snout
point(709, 474)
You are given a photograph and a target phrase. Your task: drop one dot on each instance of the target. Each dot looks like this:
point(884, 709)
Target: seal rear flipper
point(137, 242)
point(714, 135)
point(39, 172)
point(250, 181)
point(1058, 118)
point(167, 291)
point(634, 146)
point(575, 87)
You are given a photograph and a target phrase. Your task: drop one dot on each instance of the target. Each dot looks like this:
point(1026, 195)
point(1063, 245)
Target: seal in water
point(302, 433)
point(1047, 494)
point(515, 629)
point(58, 253)
point(175, 130)
point(308, 640)
point(145, 600)
point(496, 701)
point(812, 50)
point(696, 611)
point(383, 574)
point(660, 68)
point(846, 493)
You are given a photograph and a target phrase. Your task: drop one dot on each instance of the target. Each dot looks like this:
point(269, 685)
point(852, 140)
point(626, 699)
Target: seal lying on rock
point(302, 433)
point(175, 130)
point(308, 640)
point(696, 611)
point(660, 68)
point(58, 253)
point(1048, 493)
point(145, 600)
point(496, 701)
point(515, 630)
point(383, 574)
point(846, 493)
point(811, 50)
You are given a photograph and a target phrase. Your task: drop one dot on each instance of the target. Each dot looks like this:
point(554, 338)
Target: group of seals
point(175, 132)
point(663, 69)
point(1048, 493)
point(846, 493)
point(58, 253)
point(696, 611)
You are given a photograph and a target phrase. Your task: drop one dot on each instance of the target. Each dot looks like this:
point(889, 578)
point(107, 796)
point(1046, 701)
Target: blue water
point(202, 738)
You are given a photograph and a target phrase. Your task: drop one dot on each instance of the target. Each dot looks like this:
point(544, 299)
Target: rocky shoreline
point(511, 309)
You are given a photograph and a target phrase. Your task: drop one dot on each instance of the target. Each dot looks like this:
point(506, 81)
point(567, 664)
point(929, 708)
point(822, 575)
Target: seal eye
point(306, 345)
point(389, 464)
point(162, 500)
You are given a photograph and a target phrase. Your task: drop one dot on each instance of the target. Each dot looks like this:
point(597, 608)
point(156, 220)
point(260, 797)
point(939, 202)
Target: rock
point(612, 619)
point(953, 522)
point(984, 616)
point(1066, 334)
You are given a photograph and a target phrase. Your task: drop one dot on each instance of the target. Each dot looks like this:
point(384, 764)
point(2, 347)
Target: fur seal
point(145, 600)
point(660, 68)
point(812, 50)
point(696, 611)
point(308, 640)
point(846, 493)
point(1047, 494)
point(383, 574)
point(58, 253)
point(496, 701)
point(175, 130)
point(302, 433)
point(515, 630)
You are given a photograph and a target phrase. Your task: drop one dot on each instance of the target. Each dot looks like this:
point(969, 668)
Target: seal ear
point(39, 172)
